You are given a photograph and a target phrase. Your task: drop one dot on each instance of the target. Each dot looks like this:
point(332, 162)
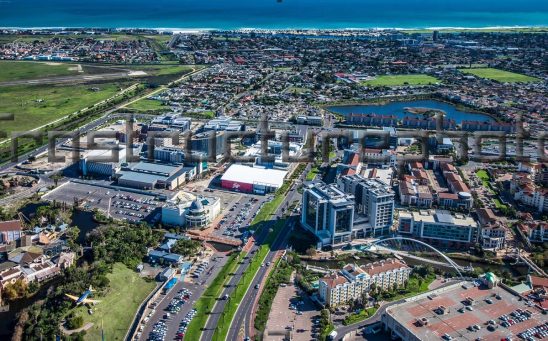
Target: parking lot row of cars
point(516, 316)
point(200, 269)
point(539, 332)
point(184, 324)
point(232, 228)
point(177, 302)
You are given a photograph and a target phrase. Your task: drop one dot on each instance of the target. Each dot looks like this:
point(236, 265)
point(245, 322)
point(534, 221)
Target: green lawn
point(34, 106)
point(18, 70)
point(401, 80)
point(312, 174)
point(499, 205)
point(360, 316)
point(485, 180)
point(148, 104)
point(116, 310)
point(499, 75)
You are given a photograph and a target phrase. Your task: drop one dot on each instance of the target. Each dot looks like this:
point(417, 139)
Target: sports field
point(401, 80)
point(499, 75)
point(34, 106)
point(116, 310)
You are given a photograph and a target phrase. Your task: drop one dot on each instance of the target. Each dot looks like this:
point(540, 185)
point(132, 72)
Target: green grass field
point(401, 80)
point(116, 310)
point(34, 106)
point(148, 104)
point(19, 70)
point(499, 75)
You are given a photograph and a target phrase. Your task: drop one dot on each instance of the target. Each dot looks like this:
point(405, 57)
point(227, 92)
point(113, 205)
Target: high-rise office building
point(328, 212)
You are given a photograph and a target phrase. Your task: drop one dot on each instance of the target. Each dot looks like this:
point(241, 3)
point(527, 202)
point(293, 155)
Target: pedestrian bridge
point(403, 246)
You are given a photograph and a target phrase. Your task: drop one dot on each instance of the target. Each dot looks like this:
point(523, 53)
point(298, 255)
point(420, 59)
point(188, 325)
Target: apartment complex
point(493, 232)
point(439, 228)
point(353, 281)
point(374, 200)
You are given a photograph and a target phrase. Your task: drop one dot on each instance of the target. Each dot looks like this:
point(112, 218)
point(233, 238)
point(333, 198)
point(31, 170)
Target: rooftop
point(439, 216)
point(455, 323)
point(254, 175)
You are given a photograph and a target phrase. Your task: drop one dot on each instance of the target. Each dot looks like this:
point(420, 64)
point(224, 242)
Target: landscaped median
point(245, 282)
point(281, 273)
point(207, 300)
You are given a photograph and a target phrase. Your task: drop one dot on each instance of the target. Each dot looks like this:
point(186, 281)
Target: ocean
point(273, 14)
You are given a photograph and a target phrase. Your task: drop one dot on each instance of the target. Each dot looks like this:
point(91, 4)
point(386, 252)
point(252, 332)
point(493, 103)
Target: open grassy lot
point(312, 174)
point(401, 80)
point(148, 105)
point(499, 75)
point(116, 310)
point(34, 106)
point(17, 70)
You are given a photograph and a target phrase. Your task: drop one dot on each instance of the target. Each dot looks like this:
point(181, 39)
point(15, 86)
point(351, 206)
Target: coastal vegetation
point(401, 80)
point(499, 75)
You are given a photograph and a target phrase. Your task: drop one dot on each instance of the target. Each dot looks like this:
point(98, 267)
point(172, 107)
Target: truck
point(332, 335)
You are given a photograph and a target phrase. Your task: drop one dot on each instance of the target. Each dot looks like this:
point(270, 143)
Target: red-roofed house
point(10, 231)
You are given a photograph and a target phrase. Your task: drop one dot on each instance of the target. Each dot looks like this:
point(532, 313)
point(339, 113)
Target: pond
point(398, 109)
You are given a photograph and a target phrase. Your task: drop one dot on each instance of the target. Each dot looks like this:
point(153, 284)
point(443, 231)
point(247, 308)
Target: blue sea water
point(272, 14)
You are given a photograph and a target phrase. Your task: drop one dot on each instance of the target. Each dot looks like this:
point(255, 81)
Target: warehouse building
point(147, 175)
point(257, 180)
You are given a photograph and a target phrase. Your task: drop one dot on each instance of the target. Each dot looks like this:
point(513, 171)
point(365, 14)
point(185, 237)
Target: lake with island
point(400, 110)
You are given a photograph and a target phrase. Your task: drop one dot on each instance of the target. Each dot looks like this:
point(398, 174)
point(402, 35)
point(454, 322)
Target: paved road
point(70, 79)
point(247, 302)
point(244, 314)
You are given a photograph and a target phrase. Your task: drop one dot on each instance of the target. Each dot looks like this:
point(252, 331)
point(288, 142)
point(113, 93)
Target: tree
point(311, 251)
point(75, 322)
point(186, 247)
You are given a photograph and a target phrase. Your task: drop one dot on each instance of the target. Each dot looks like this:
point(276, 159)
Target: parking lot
point(293, 309)
point(117, 203)
point(173, 310)
point(239, 216)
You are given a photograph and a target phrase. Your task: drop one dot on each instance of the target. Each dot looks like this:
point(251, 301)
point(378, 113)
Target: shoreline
point(282, 30)
point(380, 101)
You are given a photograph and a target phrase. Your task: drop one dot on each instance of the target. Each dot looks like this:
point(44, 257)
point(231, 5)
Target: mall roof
point(254, 175)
